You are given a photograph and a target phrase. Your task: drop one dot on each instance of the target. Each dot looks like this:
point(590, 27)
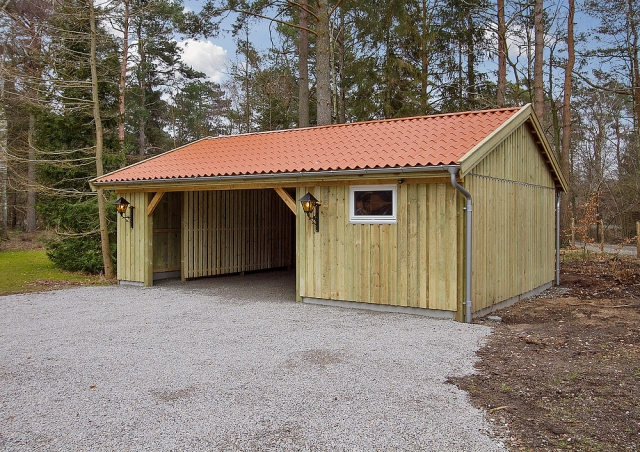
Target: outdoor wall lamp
point(121, 207)
point(311, 207)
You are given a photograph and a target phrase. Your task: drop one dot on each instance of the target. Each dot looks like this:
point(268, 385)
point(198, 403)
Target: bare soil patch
point(17, 240)
point(562, 370)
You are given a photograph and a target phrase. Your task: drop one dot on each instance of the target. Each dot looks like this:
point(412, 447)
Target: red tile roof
point(405, 142)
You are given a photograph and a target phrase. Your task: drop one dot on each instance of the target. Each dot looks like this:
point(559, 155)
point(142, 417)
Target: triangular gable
point(524, 115)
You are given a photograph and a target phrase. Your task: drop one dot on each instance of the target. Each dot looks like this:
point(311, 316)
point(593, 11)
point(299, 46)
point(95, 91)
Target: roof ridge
point(371, 121)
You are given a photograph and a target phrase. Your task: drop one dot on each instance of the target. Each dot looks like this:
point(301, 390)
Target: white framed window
point(373, 204)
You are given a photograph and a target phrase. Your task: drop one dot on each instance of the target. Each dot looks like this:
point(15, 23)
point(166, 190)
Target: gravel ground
point(229, 363)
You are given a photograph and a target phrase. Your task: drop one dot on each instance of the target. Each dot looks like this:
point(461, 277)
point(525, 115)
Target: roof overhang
point(248, 181)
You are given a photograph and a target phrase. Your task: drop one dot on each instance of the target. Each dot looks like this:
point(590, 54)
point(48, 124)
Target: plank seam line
point(511, 181)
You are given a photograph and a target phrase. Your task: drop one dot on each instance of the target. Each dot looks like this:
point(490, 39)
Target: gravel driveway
point(230, 363)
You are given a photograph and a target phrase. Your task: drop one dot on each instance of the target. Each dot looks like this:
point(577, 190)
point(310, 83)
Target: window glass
point(373, 204)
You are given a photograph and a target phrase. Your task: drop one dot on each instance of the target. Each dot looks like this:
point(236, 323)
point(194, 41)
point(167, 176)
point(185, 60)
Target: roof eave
point(270, 177)
point(93, 185)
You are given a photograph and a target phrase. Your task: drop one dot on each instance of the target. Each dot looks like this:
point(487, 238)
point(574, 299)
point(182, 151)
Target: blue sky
point(214, 56)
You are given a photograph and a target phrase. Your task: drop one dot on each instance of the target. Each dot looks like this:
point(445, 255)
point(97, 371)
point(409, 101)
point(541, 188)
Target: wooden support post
point(573, 232)
point(601, 236)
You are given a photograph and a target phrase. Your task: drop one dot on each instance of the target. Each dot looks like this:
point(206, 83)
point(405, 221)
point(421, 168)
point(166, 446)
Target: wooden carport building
point(447, 215)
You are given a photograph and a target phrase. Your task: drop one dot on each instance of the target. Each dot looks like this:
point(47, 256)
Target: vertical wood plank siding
point(135, 245)
point(412, 263)
point(513, 221)
point(230, 231)
point(166, 233)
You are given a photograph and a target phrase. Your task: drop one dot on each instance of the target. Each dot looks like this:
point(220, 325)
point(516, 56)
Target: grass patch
point(32, 271)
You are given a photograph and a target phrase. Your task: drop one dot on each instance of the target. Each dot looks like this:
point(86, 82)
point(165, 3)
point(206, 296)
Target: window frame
point(373, 219)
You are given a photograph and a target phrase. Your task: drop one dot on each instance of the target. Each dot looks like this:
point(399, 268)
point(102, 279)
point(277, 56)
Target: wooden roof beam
point(154, 202)
point(288, 200)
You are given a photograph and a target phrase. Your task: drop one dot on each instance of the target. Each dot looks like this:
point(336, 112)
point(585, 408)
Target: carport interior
point(215, 232)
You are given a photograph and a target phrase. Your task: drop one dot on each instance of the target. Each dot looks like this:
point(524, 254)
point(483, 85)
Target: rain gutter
point(454, 170)
point(248, 177)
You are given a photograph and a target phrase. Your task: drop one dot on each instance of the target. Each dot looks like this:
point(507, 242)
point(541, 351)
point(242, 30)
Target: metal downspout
point(468, 267)
point(558, 239)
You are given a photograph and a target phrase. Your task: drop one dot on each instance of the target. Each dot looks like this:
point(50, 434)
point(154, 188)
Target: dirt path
point(629, 250)
point(562, 371)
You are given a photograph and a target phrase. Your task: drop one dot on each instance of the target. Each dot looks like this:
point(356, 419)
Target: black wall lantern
point(121, 206)
point(311, 207)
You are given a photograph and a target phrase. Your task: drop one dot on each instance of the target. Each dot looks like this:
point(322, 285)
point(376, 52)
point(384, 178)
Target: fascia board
point(482, 149)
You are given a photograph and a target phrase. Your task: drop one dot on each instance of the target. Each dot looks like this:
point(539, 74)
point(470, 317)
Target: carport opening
point(223, 232)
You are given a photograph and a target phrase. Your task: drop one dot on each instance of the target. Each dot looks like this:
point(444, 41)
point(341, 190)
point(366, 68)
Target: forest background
point(88, 86)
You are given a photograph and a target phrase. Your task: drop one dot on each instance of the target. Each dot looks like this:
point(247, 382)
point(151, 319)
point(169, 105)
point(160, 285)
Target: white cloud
point(207, 57)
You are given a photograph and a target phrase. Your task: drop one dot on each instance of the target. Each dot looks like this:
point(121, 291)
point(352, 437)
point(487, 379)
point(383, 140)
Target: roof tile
point(416, 141)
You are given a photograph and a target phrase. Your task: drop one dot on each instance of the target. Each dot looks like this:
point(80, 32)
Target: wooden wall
point(231, 231)
point(167, 218)
point(418, 262)
point(513, 221)
point(413, 263)
point(135, 245)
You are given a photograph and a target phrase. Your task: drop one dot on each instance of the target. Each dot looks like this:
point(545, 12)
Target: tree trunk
point(247, 89)
point(635, 64)
point(388, 113)
point(538, 93)
point(303, 67)
point(565, 153)
point(31, 176)
point(123, 77)
point(471, 64)
point(424, 61)
point(142, 85)
point(102, 212)
point(3, 153)
point(334, 72)
point(323, 64)
point(502, 56)
point(342, 111)
point(460, 89)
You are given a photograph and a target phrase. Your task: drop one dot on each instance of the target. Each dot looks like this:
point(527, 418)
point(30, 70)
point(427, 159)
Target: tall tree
point(4, 129)
point(276, 108)
point(538, 91)
point(303, 65)
point(398, 63)
point(321, 11)
point(243, 74)
point(78, 138)
point(502, 55)
point(565, 152)
point(158, 68)
point(465, 26)
point(122, 24)
point(97, 120)
point(199, 110)
point(614, 61)
point(323, 62)
point(28, 21)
